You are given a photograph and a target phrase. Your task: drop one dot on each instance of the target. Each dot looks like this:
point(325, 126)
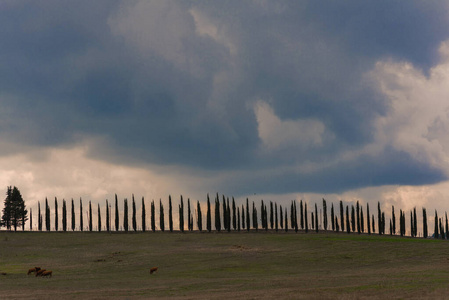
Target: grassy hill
point(222, 265)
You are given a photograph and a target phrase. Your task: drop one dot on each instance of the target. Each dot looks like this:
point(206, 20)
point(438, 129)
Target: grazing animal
point(32, 270)
point(46, 273)
point(152, 270)
point(39, 273)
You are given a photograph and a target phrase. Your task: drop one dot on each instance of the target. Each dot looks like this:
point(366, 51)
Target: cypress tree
point(313, 220)
point(117, 221)
point(189, 227)
point(217, 214)
point(286, 221)
point(292, 216)
point(301, 212)
point(181, 215)
point(352, 218)
point(39, 216)
point(337, 227)
point(412, 230)
point(316, 218)
point(228, 215)
point(208, 216)
point(379, 217)
point(391, 227)
point(324, 214)
point(296, 217)
point(144, 216)
point(73, 216)
point(441, 230)
point(383, 223)
point(401, 229)
point(134, 220)
point(271, 215)
point(170, 214)
point(56, 214)
point(248, 222)
point(394, 219)
point(99, 218)
point(234, 215)
point(81, 216)
point(332, 217)
point(200, 216)
point(90, 216)
point(161, 216)
point(306, 222)
point(108, 219)
point(368, 224)
point(243, 216)
point(47, 215)
point(153, 216)
point(424, 220)
point(447, 226)
point(415, 222)
point(125, 215)
point(281, 216)
point(342, 219)
point(255, 223)
point(358, 217)
point(348, 226)
point(31, 219)
point(362, 220)
point(276, 217)
point(374, 227)
point(225, 216)
point(436, 225)
point(64, 216)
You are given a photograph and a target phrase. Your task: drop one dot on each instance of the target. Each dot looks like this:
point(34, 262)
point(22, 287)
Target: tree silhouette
point(170, 214)
point(56, 214)
point(161, 216)
point(14, 213)
point(424, 220)
point(73, 215)
point(117, 221)
point(108, 220)
point(153, 216)
point(90, 216)
point(144, 215)
point(64, 216)
point(134, 220)
point(99, 217)
point(200, 216)
point(342, 219)
point(125, 215)
point(208, 216)
point(47, 215)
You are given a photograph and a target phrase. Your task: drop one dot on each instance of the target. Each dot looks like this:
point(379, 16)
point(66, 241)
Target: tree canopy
point(14, 211)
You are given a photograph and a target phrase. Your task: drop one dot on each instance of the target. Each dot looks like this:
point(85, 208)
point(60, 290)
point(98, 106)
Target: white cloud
point(278, 134)
point(418, 116)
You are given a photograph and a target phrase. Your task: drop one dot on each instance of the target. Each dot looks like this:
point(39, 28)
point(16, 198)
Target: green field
point(222, 265)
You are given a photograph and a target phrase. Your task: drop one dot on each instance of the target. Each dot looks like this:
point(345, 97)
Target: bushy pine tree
point(14, 212)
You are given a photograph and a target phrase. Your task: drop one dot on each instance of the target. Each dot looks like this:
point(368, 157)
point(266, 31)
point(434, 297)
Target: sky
point(273, 100)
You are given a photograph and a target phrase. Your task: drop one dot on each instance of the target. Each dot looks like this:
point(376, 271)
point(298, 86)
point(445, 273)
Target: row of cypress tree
point(229, 216)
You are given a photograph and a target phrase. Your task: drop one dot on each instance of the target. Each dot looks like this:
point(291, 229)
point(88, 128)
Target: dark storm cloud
point(141, 76)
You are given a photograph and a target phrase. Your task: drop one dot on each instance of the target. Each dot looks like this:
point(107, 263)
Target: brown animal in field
point(152, 270)
point(39, 273)
point(46, 273)
point(33, 270)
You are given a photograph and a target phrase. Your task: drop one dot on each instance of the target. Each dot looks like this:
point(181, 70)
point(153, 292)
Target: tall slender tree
point(281, 216)
point(117, 215)
point(125, 215)
point(47, 215)
point(161, 216)
point(415, 223)
point(286, 221)
point(64, 215)
point(99, 217)
point(301, 212)
point(316, 218)
point(134, 213)
point(108, 219)
point(234, 215)
point(238, 219)
point(352, 218)
point(217, 214)
point(170, 214)
point(31, 219)
point(199, 217)
point(436, 233)
point(81, 215)
point(243, 216)
point(348, 226)
point(342, 219)
point(181, 215)
point(271, 215)
point(393, 221)
point(359, 229)
point(247, 216)
point(362, 220)
point(379, 217)
point(228, 215)
point(324, 214)
point(276, 223)
point(144, 216)
point(368, 223)
point(73, 216)
point(56, 214)
point(424, 220)
point(208, 216)
point(90, 216)
point(255, 223)
point(39, 216)
point(153, 216)
point(189, 227)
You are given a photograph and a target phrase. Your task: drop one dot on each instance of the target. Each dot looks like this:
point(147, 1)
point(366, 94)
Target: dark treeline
point(230, 216)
